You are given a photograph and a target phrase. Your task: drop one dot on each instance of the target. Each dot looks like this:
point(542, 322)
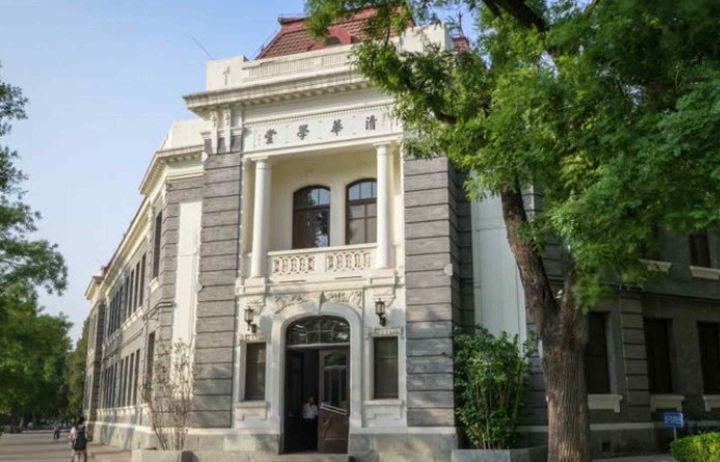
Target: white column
point(261, 218)
point(384, 193)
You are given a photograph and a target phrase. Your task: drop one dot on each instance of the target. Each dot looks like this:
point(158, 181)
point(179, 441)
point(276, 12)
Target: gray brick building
point(284, 238)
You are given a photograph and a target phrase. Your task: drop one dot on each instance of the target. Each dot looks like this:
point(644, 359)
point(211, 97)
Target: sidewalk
point(655, 458)
point(38, 445)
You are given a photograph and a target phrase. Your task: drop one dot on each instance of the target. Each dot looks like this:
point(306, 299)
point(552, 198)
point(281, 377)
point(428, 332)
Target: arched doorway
point(317, 367)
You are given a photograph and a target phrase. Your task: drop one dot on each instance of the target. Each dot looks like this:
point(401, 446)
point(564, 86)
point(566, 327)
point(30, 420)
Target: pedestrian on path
point(56, 430)
point(78, 441)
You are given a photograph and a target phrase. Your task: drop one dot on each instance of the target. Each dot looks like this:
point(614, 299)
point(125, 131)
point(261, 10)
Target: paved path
point(656, 458)
point(38, 446)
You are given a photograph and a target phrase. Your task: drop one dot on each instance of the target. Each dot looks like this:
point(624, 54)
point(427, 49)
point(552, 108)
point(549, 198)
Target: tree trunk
point(565, 393)
point(562, 327)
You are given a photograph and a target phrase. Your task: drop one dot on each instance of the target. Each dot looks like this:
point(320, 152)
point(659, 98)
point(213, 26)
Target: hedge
point(697, 448)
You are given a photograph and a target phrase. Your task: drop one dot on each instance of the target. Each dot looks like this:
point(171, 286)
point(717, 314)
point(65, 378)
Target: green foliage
point(76, 368)
point(491, 380)
point(698, 448)
point(608, 108)
point(33, 345)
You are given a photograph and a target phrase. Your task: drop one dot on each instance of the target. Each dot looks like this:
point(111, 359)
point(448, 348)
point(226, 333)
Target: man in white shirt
point(309, 415)
point(310, 410)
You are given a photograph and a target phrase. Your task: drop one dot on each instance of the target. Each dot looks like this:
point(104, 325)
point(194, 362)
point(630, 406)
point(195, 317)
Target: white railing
point(320, 263)
point(295, 64)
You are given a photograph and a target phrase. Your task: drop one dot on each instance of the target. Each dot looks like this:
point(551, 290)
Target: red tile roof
point(294, 37)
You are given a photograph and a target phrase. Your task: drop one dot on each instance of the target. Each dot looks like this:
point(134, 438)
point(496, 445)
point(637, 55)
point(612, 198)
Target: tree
point(168, 394)
point(608, 109)
point(77, 365)
point(33, 345)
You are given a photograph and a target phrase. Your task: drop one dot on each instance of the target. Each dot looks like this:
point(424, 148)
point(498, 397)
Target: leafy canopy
point(609, 109)
point(33, 345)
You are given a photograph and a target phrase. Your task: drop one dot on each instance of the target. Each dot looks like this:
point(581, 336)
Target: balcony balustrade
point(320, 264)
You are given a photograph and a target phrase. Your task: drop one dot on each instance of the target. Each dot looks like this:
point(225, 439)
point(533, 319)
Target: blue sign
point(674, 419)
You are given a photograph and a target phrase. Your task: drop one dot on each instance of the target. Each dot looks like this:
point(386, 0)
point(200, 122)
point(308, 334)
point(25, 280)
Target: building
point(286, 240)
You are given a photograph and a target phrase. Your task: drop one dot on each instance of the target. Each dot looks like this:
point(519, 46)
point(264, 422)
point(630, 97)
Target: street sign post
point(674, 420)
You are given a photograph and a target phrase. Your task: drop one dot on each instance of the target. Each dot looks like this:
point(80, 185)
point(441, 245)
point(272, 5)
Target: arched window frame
point(297, 210)
point(366, 218)
point(318, 330)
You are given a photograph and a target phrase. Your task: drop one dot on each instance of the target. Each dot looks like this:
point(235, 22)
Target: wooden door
point(334, 401)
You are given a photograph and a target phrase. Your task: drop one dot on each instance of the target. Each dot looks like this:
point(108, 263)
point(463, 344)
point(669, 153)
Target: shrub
point(491, 380)
point(697, 448)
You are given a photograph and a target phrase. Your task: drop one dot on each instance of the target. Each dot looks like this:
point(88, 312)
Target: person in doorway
point(56, 430)
point(78, 441)
point(309, 415)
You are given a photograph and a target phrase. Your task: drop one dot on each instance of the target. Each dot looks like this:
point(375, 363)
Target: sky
point(105, 80)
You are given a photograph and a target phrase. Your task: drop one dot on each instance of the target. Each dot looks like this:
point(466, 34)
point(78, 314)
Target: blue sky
point(105, 79)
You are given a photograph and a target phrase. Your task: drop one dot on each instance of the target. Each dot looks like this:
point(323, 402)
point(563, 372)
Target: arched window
point(311, 217)
point(332, 40)
point(361, 212)
point(318, 330)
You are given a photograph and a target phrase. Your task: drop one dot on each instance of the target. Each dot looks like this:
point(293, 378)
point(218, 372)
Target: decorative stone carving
point(349, 297)
point(285, 300)
point(292, 264)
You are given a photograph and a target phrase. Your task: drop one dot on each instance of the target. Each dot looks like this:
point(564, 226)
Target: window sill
point(657, 265)
point(703, 272)
point(383, 402)
point(674, 402)
point(251, 411)
point(711, 402)
point(604, 402)
point(252, 404)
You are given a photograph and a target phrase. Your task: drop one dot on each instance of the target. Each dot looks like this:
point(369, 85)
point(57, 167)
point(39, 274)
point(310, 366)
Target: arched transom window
point(318, 330)
point(311, 217)
point(361, 212)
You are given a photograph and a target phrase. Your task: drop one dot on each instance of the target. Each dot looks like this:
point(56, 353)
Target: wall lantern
point(380, 311)
point(249, 315)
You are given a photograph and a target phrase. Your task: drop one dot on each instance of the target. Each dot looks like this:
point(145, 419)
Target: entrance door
point(334, 404)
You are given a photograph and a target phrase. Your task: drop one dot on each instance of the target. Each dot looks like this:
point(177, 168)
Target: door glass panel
point(317, 330)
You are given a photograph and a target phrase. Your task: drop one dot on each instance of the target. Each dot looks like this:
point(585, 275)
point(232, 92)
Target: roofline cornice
point(164, 157)
point(282, 90)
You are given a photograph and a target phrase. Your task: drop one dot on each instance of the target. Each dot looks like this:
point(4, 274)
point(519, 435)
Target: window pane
point(596, 355)
point(255, 372)
point(354, 192)
point(709, 336)
point(311, 218)
point(699, 249)
point(322, 329)
point(386, 368)
point(356, 232)
point(658, 355)
point(361, 212)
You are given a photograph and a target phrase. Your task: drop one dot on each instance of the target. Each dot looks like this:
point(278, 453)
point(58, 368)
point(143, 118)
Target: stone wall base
point(609, 443)
point(380, 447)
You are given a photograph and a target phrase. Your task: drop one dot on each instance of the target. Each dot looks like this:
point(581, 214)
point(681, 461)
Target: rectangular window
point(142, 279)
point(657, 346)
point(709, 336)
point(137, 372)
point(386, 367)
point(136, 301)
point(597, 370)
point(156, 245)
point(131, 291)
point(131, 379)
point(150, 358)
point(255, 372)
point(700, 249)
